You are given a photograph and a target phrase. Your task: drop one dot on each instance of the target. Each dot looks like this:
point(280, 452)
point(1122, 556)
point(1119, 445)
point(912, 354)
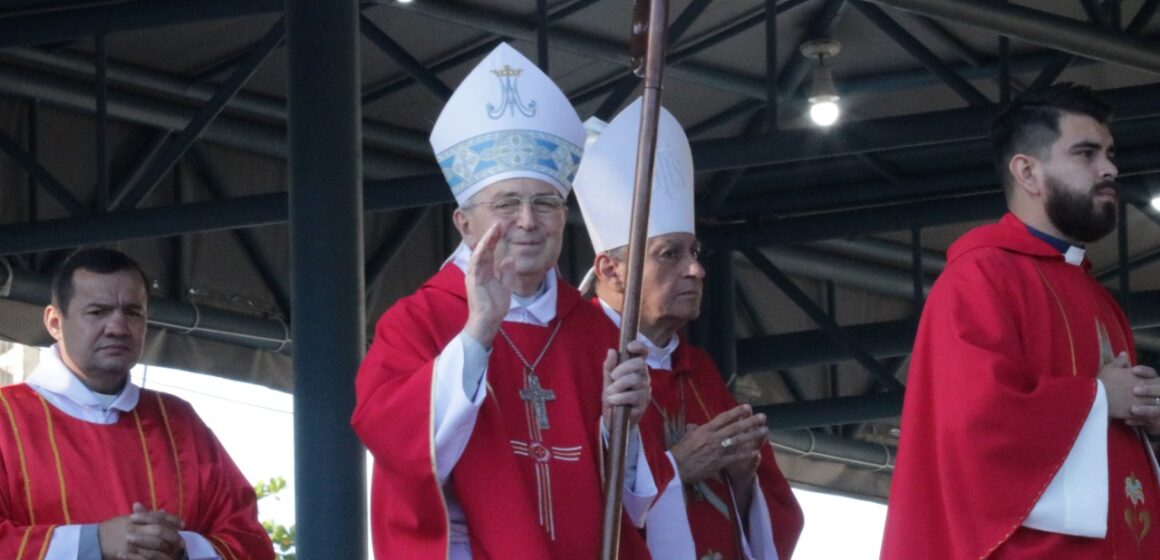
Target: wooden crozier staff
point(650, 22)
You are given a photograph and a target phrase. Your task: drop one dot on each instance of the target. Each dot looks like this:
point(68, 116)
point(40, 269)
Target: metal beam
point(410, 64)
point(886, 339)
point(215, 185)
point(1139, 261)
point(890, 339)
point(848, 272)
point(382, 158)
point(180, 317)
point(920, 52)
point(797, 67)
point(767, 191)
point(758, 329)
point(326, 256)
point(196, 217)
point(178, 87)
point(622, 88)
point(593, 46)
point(858, 193)
point(814, 444)
point(899, 217)
point(724, 182)
point(1143, 17)
point(461, 55)
point(723, 312)
point(1042, 28)
point(894, 254)
point(783, 418)
point(69, 24)
point(393, 242)
point(41, 176)
point(175, 148)
point(940, 127)
point(835, 331)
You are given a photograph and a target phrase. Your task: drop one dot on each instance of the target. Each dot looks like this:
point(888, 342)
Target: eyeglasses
point(509, 206)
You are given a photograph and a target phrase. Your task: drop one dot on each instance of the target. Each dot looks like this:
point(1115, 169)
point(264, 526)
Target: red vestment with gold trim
point(711, 510)
point(525, 492)
point(1002, 378)
point(57, 470)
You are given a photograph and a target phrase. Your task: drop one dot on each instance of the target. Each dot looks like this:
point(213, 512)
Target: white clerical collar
point(59, 386)
point(539, 311)
point(659, 357)
point(1074, 255)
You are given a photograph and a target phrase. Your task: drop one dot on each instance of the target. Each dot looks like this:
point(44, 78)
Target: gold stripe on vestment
point(176, 461)
point(23, 463)
point(148, 465)
point(56, 460)
point(1063, 312)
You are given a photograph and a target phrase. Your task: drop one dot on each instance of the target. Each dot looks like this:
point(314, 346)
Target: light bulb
point(1156, 203)
point(824, 113)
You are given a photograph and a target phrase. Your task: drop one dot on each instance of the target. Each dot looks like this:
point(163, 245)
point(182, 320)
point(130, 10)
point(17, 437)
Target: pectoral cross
point(538, 396)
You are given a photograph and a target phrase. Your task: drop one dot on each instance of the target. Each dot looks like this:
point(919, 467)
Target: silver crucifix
point(538, 396)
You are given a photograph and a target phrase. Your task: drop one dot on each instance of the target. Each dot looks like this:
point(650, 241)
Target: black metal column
point(326, 243)
point(723, 336)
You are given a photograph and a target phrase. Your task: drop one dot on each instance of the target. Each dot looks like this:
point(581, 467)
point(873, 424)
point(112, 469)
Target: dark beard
point(1077, 215)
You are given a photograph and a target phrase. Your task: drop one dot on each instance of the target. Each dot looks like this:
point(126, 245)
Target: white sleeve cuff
point(640, 488)
point(669, 534)
point(454, 411)
point(758, 542)
point(65, 544)
point(198, 547)
point(1076, 500)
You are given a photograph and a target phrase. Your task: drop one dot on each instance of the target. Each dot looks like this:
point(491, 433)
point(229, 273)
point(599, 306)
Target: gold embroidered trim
point(44, 545)
point(148, 465)
point(176, 460)
point(1063, 312)
point(23, 463)
point(56, 460)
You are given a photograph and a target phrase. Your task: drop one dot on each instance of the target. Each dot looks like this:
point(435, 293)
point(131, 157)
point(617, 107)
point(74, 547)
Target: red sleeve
point(394, 418)
point(227, 505)
point(985, 425)
point(784, 511)
point(19, 537)
point(19, 541)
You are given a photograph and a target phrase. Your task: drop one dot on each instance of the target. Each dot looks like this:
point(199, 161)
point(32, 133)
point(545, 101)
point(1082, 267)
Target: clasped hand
point(731, 442)
point(142, 535)
point(1133, 393)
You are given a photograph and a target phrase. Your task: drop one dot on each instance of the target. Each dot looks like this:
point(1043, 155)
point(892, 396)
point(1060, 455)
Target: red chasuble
point(1001, 381)
point(57, 470)
point(526, 492)
point(710, 505)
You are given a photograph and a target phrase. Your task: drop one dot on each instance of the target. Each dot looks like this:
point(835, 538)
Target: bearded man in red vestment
point(91, 466)
point(482, 395)
point(1025, 424)
point(730, 500)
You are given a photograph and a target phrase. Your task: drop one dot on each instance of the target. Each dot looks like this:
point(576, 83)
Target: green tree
point(282, 536)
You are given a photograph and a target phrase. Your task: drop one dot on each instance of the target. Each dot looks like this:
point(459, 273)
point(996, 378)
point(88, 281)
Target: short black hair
point(93, 259)
point(1030, 123)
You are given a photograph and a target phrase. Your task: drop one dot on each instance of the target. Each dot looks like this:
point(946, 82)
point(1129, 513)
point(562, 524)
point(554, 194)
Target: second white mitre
point(604, 183)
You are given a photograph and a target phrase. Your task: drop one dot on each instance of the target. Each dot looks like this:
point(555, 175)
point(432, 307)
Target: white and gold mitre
point(604, 183)
point(507, 119)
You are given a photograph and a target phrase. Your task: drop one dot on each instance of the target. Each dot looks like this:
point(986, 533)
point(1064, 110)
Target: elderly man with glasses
point(483, 393)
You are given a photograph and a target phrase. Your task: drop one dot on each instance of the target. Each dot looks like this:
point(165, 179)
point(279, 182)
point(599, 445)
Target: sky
point(255, 425)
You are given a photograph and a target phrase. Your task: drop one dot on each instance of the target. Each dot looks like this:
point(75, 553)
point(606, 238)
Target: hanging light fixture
point(1156, 203)
point(823, 97)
